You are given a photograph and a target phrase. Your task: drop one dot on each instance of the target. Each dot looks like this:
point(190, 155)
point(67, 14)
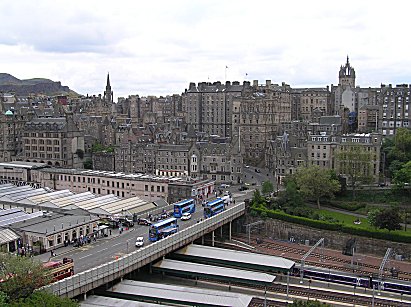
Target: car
point(254, 183)
point(186, 216)
point(224, 186)
point(257, 170)
point(243, 188)
point(145, 222)
point(247, 166)
point(139, 241)
point(246, 183)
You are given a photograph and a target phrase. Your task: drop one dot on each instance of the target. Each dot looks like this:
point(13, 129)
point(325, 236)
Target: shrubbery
point(333, 226)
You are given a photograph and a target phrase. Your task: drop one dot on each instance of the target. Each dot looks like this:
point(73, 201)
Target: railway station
point(170, 294)
point(232, 258)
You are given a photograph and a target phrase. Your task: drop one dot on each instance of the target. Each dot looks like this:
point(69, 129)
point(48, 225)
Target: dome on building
point(8, 112)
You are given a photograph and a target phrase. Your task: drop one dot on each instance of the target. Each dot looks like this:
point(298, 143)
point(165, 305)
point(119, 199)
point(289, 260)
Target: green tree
point(44, 299)
point(291, 197)
point(403, 176)
point(372, 217)
point(258, 198)
point(3, 299)
point(22, 276)
point(388, 218)
point(315, 182)
point(97, 147)
point(267, 187)
point(88, 164)
point(355, 162)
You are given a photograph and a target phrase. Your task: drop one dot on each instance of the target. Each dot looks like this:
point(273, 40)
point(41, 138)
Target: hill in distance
point(11, 84)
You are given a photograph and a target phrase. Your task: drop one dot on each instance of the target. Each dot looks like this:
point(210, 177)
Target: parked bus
point(162, 229)
point(214, 207)
point(58, 270)
point(184, 206)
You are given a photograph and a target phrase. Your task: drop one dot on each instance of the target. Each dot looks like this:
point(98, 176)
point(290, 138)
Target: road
point(117, 245)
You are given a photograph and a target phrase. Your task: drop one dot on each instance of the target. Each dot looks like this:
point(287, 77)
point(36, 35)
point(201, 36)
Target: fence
point(88, 280)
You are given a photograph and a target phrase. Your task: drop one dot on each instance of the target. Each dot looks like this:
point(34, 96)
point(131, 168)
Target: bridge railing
point(90, 279)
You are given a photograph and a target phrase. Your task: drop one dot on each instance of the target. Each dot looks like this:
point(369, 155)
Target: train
point(353, 280)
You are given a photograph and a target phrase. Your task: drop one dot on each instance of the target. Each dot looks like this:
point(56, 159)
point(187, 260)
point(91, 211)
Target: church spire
point(108, 93)
point(348, 61)
point(108, 78)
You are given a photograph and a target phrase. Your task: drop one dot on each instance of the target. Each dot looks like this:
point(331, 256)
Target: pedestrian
point(110, 232)
point(51, 253)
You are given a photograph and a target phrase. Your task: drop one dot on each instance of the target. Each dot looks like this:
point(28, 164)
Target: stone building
point(323, 150)
point(396, 108)
point(257, 115)
point(312, 99)
point(208, 106)
point(55, 141)
point(220, 162)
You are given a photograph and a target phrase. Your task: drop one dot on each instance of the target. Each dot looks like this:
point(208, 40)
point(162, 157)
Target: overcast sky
point(158, 47)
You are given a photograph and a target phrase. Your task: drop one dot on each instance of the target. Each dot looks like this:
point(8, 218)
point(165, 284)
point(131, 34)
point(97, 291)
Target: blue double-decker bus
point(184, 206)
point(214, 207)
point(162, 229)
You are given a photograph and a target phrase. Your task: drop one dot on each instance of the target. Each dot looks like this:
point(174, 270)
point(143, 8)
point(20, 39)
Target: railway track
point(312, 294)
point(333, 262)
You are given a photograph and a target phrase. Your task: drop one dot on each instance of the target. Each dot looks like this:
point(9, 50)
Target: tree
point(44, 299)
point(258, 198)
point(88, 164)
point(291, 197)
point(21, 274)
point(388, 218)
point(355, 163)
point(402, 177)
point(267, 187)
point(315, 182)
point(372, 217)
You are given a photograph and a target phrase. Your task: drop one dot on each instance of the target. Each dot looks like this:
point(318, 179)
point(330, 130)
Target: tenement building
point(208, 106)
point(325, 151)
point(55, 141)
point(396, 108)
point(257, 115)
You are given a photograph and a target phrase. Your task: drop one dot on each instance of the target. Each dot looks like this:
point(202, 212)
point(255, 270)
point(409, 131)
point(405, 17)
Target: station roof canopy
point(121, 206)
point(7, 235)
point(17, 197)
point(214, 255)
point(103, 301)
point(72, 199)
point(191, 296)
point(97, 202)
point(214, 272)
point(38, 199)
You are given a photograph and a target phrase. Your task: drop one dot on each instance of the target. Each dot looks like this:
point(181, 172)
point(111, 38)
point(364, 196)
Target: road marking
point(85, 256)
point(118, 244)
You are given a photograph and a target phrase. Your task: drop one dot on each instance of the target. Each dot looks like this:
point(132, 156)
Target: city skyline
point(158, 48)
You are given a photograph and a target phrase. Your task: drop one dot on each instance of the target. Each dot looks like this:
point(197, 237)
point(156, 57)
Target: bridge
point(83, 282)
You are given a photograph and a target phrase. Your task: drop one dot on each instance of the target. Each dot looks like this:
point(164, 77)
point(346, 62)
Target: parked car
point(243, 188)
point(145, 222)
point(139, 241)
point(224, 186)
point(186, 216)
point(257, 170)
point(247, 166)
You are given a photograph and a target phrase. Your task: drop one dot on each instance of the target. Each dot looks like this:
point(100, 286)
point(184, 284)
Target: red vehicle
point(59, 270)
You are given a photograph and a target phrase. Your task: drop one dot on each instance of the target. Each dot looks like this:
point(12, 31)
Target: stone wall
point(277, 229)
